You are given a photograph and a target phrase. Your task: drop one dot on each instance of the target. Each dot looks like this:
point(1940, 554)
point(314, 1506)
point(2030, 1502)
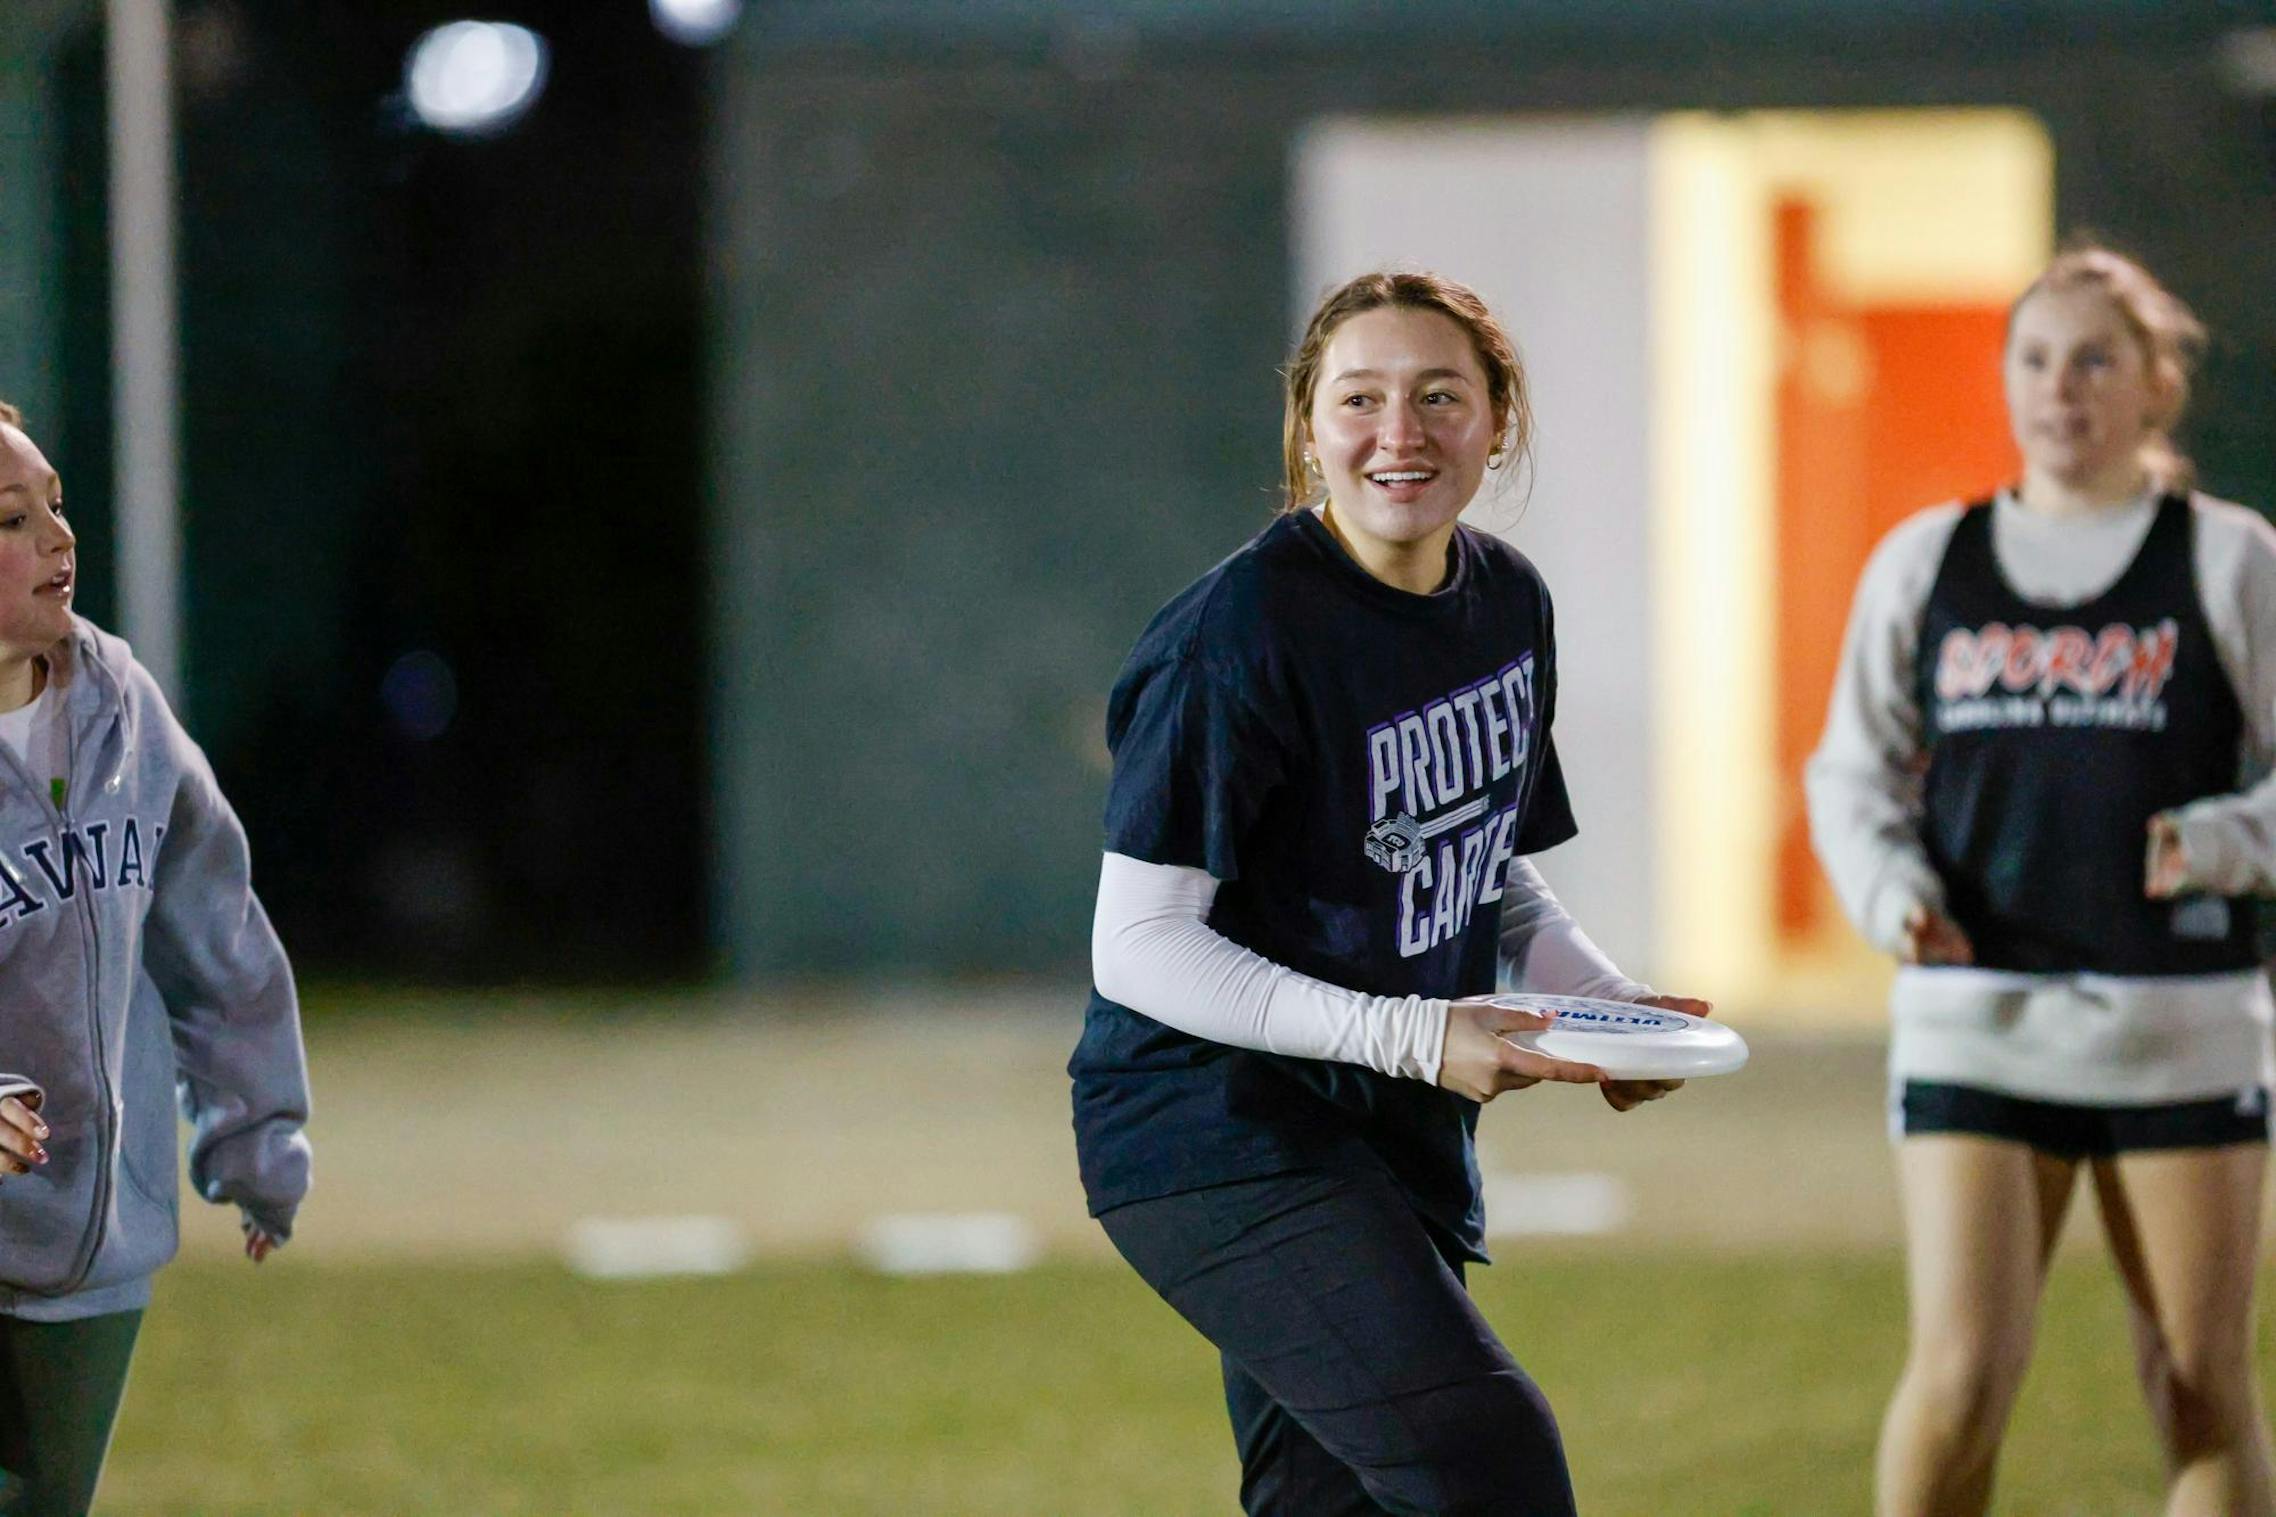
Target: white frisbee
point(1627, 1041)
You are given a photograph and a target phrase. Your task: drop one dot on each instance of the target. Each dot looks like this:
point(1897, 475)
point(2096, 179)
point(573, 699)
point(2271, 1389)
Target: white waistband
point(2100, 1038)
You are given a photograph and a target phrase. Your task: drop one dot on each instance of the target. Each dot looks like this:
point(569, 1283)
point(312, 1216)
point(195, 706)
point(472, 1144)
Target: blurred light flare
point(472, 77)
point(695, 23)
point(2248, 61)
point(420, 692)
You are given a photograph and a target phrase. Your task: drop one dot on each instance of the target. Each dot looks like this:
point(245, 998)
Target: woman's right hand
point(20, 1134)
point(1931, 937)
point(1479, 1063)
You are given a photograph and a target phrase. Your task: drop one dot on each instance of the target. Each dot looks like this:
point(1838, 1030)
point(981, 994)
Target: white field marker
point(948, 1243)
point(644, 1248)
point(1580, 1204)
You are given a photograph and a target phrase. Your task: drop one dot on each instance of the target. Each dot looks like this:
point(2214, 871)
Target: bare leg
point(1981, 1218)
point(2184, 1226)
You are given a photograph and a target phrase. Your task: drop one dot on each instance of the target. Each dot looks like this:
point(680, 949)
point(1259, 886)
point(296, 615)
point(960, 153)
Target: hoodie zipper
point(109, 1126)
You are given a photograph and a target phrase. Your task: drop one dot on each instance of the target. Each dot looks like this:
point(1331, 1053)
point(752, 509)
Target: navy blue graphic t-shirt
point(1357, 765)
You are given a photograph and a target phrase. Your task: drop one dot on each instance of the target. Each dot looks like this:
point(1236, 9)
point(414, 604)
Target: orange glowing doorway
point(1880, 409)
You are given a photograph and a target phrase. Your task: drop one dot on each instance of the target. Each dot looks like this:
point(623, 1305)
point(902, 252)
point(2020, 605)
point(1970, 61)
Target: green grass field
point(1690, 1385)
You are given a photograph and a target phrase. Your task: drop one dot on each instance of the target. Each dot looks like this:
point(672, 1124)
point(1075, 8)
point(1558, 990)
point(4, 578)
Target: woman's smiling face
point(1402, 424)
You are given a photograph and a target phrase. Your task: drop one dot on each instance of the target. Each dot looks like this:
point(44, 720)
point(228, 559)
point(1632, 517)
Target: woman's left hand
point(1627, 1095)
point(2166, 864)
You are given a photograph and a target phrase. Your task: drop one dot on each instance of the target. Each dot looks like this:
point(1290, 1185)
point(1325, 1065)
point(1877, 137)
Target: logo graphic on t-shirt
point(1430, 776)
point(2003, 677)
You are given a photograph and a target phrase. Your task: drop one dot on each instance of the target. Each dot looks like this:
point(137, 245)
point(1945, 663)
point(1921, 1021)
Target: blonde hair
point(2172, 340)
point(1506, 389)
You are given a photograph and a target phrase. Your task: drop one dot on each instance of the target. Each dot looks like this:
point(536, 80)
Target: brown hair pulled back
point(1497, 356)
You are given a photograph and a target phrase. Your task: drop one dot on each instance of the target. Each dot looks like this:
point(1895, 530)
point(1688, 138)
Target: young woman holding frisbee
point(2028, 791)
point(133, 956)
point(1332, 754)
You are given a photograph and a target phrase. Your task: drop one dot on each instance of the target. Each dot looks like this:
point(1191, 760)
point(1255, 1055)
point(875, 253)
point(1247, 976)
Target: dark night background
point(441, 398)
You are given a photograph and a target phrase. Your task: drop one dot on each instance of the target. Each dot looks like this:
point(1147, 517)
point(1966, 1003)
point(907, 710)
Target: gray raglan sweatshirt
point(135, 965)
point(2084, 1037)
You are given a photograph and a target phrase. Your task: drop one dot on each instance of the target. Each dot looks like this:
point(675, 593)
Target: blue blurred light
point(421, 694)
point(695, 23)
point(469, 78)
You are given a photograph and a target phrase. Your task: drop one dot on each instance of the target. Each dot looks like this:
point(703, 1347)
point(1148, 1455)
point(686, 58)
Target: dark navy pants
point(60, 1384)
point(1358, 1373)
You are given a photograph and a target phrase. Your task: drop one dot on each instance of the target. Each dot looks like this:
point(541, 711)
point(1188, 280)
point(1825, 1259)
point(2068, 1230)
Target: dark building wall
point(998, 323)
point(991, 362)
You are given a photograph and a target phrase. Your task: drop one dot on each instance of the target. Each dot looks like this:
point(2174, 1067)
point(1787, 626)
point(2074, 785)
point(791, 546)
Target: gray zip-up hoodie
point(135, 965)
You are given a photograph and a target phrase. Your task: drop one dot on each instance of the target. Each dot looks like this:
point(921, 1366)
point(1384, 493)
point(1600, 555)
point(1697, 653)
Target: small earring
point(1494, 459)
point(1311, 464)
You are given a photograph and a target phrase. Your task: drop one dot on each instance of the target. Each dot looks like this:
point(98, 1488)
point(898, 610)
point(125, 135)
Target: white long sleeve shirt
point(2096, 1038)
point(1152, 950)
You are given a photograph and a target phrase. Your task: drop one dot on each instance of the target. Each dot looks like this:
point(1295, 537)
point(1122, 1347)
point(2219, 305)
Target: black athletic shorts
point(2074, 1131)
